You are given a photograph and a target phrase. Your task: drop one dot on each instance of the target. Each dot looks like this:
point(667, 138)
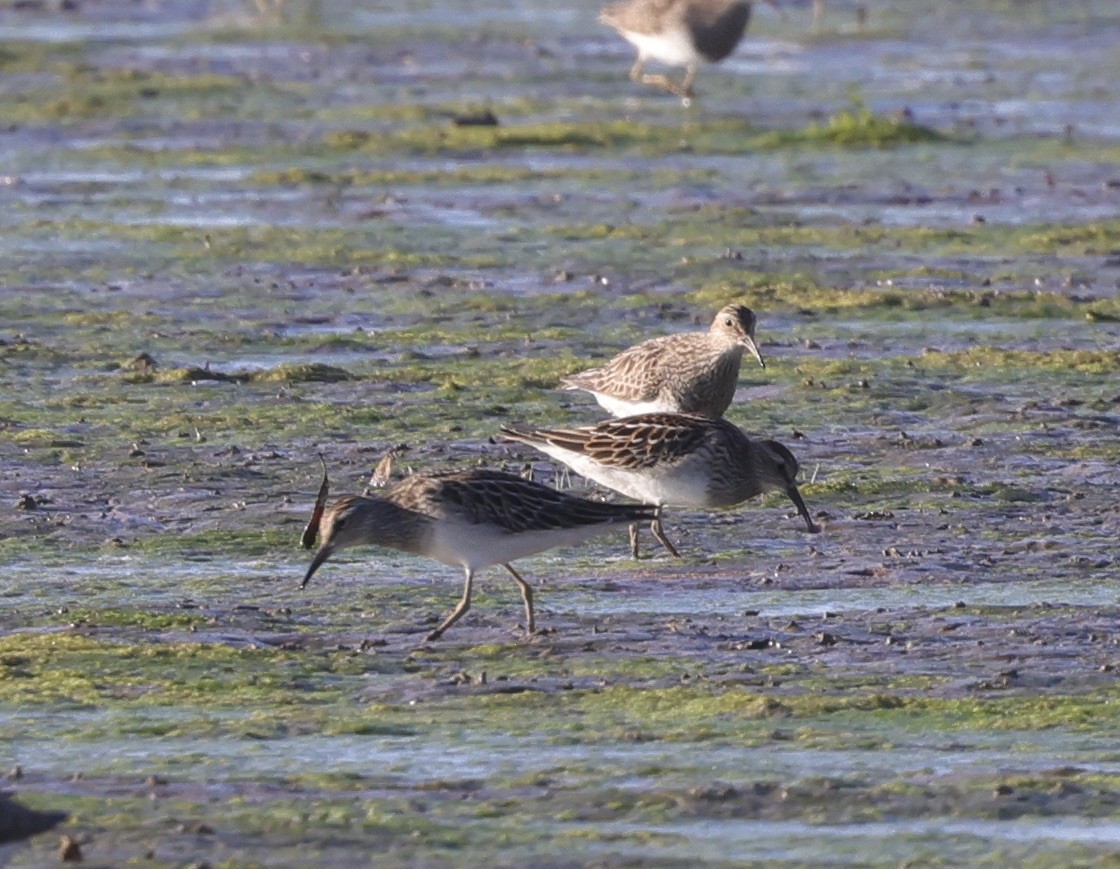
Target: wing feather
point(510, 502)
point(642, 371)
point(630, 443)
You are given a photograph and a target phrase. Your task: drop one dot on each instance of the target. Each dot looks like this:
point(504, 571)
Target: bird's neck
point(387, 523)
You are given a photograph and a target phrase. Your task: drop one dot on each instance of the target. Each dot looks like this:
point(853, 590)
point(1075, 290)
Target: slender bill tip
point(799, 503)
point(755, 352)
point(322, 555)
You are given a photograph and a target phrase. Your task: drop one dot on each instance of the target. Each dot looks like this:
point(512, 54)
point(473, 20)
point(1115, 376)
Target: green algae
point(698, 237)
point(1083, 361)
point(1070, 375)
point(75, 670)
point(191, 480)
point(856, 127)
point(86, 617)
point(681, 713)
point(484, 174)
point(738, 227)
point(194, 248)
point(852, 128)
point(243, 541)
point(496, 377)
point(68, 669)
point(188, 374)
point(22, 350)
point(42, 438)
point(82, 93)
point(28, 56)
point(308, 372)
point(436, 139)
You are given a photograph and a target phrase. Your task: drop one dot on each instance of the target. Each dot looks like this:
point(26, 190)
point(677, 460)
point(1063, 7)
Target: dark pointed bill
point(753, 347)
point(798, 502)
point(307, 541)
point(322, 555)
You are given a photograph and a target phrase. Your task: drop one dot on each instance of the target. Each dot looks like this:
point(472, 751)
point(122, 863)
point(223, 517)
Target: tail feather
point(516, 504)
point(585, 512)
point(585, 380)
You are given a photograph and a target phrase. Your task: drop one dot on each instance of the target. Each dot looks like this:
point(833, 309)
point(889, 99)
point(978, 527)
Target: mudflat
point(238, 236)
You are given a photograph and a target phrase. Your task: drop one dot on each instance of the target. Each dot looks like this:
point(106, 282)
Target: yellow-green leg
point(527, 597)
point(459, 611)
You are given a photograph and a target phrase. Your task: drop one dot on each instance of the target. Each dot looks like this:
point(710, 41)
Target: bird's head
point(344, 523)
point(735, 325)
point(780, 472)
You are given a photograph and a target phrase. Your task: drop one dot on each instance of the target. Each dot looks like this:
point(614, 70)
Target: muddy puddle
point(241, 235)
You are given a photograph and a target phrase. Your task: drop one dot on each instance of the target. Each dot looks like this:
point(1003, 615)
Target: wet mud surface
point(236, 237)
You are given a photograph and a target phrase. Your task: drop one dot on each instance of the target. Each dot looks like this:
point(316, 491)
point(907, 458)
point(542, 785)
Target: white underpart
point(673, 48)
point(477, 546)
point(686, 485)
point(621, 407)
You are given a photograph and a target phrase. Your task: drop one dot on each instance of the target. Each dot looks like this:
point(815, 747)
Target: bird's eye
point(728, 322)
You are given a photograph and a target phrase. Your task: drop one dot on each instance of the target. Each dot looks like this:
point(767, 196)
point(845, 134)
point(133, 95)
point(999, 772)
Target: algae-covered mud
point(236, 236)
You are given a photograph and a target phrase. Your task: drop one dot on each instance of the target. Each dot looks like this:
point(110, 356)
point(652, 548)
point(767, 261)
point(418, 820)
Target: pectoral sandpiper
point(678, 33)
point(669, 459)
point(472, 519)
point(692, 372)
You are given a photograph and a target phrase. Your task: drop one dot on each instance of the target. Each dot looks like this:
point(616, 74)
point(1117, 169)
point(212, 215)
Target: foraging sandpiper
point(472, 519)
point(669, 459)
point(692, 372)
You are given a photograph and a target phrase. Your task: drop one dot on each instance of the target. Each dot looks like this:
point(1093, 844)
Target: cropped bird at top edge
point(678, 33)
point(669, 459)
point(690, 372)
point(471, 519)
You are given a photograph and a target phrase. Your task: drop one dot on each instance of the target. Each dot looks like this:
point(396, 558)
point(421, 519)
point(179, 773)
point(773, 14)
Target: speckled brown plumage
point(511, 503)
point(691, 372)
point(472, 519)
point(635, 443)
point(672, 459)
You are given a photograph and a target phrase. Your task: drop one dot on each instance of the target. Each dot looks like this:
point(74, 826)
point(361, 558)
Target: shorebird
point(472, 519)
point(17, 822)
point(678, 33)
point(693, 372)
point(671, 459)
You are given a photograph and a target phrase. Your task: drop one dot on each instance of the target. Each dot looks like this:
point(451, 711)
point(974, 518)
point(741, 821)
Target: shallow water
point(266, 188)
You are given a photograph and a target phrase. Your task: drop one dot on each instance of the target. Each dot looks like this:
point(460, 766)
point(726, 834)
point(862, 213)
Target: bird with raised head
point(690, 372)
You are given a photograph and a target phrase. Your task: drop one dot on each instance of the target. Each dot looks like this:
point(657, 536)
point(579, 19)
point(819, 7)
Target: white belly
point(685, 485)
point(673, 48)
point(478, 546)
point(619, 407)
